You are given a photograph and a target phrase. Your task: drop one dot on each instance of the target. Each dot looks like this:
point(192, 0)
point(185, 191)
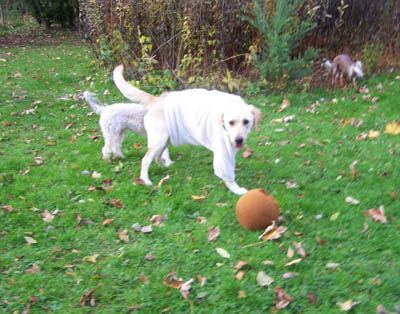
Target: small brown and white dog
point(216, 120)
point(341, 65)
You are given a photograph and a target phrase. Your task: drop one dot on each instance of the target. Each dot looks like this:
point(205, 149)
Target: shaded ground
point(39, 38)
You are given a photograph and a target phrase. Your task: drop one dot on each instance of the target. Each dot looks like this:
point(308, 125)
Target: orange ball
point(256, 209)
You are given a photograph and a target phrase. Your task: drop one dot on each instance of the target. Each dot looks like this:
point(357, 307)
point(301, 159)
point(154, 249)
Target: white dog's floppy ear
point(221, 120)
point(257, 117)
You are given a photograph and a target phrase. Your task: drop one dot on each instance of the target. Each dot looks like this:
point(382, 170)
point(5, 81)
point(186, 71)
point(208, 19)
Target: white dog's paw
point(240, 191)
point(146, 181)
point(235, 188)
point(166, 163)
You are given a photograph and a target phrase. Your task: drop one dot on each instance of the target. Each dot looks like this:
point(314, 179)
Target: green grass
point(69, 142)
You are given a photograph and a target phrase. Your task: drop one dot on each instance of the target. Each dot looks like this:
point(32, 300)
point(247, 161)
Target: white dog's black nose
point(239, 140)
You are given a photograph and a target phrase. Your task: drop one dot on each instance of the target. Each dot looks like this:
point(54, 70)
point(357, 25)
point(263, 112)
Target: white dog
point(216, 120)
point(341, 65)
point(115, 120)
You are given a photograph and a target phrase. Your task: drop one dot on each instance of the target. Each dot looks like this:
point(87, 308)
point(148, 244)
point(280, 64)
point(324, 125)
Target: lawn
point(75, 231)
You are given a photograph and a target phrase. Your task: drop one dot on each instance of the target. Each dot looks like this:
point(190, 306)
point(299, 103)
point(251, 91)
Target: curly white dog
point(216, 120)
point(115, 120)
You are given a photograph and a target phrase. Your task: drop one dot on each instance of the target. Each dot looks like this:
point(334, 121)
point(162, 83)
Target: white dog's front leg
point(232, 185)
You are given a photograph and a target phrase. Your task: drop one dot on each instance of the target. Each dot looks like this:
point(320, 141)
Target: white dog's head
point(238, 122)
point(357, 69)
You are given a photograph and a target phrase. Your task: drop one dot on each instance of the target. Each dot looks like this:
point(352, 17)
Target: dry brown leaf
point(377, 214)
point(163, 180)
point(198, 197)
point(393, 128)
point(123, 236)
point(149, 257)
point(88, 299)
point(282, 298)
point(8, 208)
point(173, 282)
point(290, 252)
point(224, 253)
point(373, 134)
point(240, 275)
point(347, 305)
point(47, 216)
point(201, 219)
point(241, 294)
point(30, 240)
point(202, 280)
point(144, 279)
point(146, 229)
point(263, 279)
point(289, 275)
point(186, 287)
point(91, 259)
point(107, 222)
point(34, 269)
point(117, 203)
point(295, 261)
point(300, 250)
point(240, 265)
point(272, 232)
point(247, 153)
point(213, 233)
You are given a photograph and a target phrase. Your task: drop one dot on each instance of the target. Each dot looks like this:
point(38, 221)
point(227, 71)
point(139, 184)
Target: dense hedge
point(195, 37)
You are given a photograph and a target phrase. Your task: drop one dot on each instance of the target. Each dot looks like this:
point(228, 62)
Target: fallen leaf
point(290, 275)
point(334, 216)
point(300, 250)
point(241, 294)
point(247, 153)
point(144, 279)
point(373, 134)
point(173, 282)
point(8, 208)
point(201, 219)
point(163, 180)
point(240, 265)
point(290, 253)
point(96, 175)
point(393, 128)
point(34, 269)
point(30, 240)
point(347, 305)
point(332, 265)
point(312, 298)
point(88, 299)
point(240, 275)
point(198, 197)
point(223, 252)
point(263, 279)
point(117, 203)
point(295, 261)
point(91, 259)
point(282, 299)
point(291, 184)
point(149, 257)
point(213, 233)
point(123, 236)
point(352, 200)
point(377, 214)
point(146, 229)
point(272, 232)
point(202, 280)
point(47, 216)
point(107, 222)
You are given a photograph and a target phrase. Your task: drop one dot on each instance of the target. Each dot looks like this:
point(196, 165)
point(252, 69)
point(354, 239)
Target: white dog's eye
point(245, 122)
point(231, 123)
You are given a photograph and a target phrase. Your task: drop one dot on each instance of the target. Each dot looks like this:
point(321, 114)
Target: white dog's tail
point(129, 91)
point(93, 102)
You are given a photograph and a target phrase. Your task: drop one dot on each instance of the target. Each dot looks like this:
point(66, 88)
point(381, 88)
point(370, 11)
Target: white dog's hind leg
point(156, 145)
point(235, 188)
point(117, 143)
point(165, 158)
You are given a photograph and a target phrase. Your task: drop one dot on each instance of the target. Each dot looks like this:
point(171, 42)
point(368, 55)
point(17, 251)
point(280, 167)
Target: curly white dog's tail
point(93, 102)
point(129, 91)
